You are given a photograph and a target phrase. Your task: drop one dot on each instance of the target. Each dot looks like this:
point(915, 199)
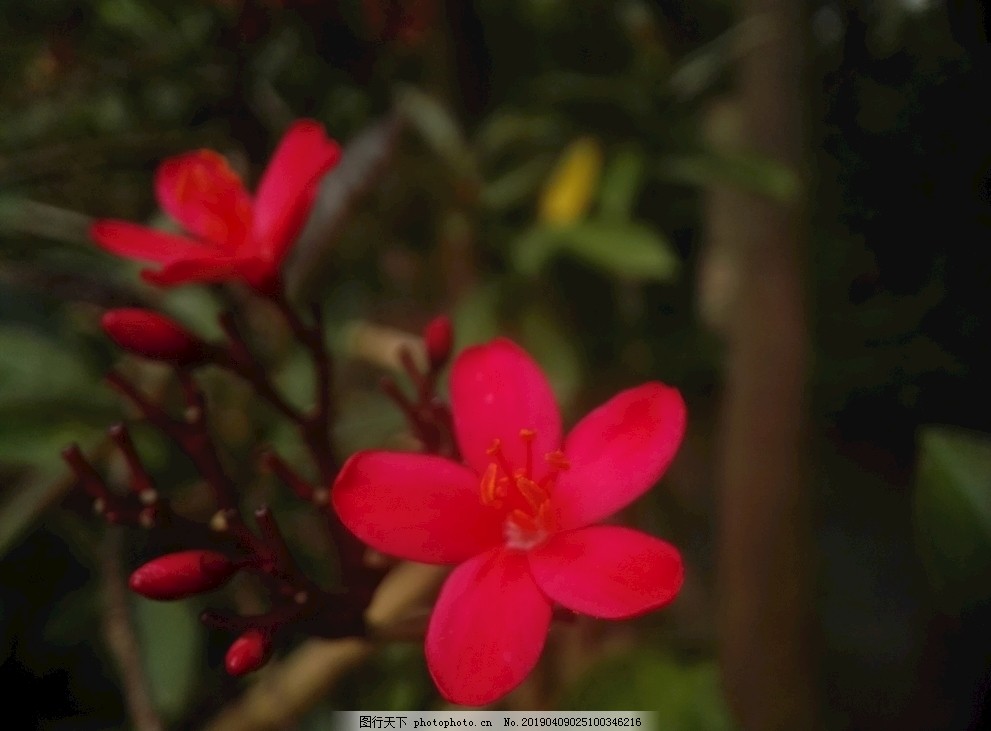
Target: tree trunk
point(764, 566)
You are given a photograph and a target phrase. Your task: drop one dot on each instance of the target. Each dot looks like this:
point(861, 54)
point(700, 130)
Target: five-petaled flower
point(518, 517)
point(230, 236)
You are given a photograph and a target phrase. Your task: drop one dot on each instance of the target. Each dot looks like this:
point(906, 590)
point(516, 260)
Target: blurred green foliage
point(952, 505)
point(683, 695)
point(172, 642)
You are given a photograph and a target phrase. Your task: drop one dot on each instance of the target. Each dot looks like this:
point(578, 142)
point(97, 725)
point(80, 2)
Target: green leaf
point(517, 186)
point(364, 160)
point(320, 718)
point(703, 68)
point(505, 132)
point(627, 250)
point(36, 370)
point(477, 317)
point(548, 342)
point(23, 503)
point(395, 679)
point(36, 436)
point(952, 506)
point(620, 185)
point(684, 696)
point(171, 641)
point(748, 171)
point(48, 398)
point(26, 216)
point(73, 616)
point(141, 20)
point(196, 308)
point(439, 129)
point(367, 419)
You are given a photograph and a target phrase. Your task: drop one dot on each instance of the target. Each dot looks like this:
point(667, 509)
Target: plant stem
point(121, 638)
point(315, 426)
point(316, 432)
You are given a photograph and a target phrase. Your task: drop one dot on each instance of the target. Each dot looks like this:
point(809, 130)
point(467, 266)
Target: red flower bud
point(182, 574)
point(438, 336)
point(248, 653)
point(152, 335)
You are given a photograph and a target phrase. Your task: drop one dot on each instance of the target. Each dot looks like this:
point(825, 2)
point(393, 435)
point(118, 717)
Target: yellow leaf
point(568, 192)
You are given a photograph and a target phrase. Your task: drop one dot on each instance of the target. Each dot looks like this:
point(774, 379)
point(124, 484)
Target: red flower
point(230, 236)
point(153, 336)
point(519, 517)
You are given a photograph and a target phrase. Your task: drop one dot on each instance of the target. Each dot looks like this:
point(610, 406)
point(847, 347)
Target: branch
point(121, 638)
point(315, 426)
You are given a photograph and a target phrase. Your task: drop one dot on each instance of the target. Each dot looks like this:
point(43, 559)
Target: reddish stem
point(141, 482)
point(315, 426)
point(280, 562)
point(192, 435)
point(315, 429)
point(299, 600)
point(239, 359)
point(289, 477)
point(87, 477)
point(429, 418)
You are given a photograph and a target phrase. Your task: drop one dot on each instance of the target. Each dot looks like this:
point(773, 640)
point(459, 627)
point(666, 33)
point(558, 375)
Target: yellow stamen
point(530, 517)
point(544, 514)
point(489, 487)
point(527, 436)
point(495, 451)
point(557, 460)
point(531, 492)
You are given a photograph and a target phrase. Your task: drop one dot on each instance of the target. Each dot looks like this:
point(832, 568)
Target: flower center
point(525, 496)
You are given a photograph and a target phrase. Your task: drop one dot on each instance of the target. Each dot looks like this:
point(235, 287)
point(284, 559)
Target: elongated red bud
point(153, 336)
point(248, 653)
point(438, 336)
point(183, 574)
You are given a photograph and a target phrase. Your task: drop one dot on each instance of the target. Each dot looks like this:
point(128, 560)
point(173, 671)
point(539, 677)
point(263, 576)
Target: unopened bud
point(153, 336)
point(248, 653)
point(438, 336)
point(183, 574)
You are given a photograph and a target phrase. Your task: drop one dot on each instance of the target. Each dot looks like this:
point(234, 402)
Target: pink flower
point(519, 516)
point(230, 236)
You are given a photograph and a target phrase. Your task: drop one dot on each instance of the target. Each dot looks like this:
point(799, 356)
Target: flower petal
point(289, 185)
point(140, 242)
point(200, 191)
point(415, 506)
point(607, 571)
point(497, 389)
point(210, 269)
point(617, 452)
point(487, 629)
